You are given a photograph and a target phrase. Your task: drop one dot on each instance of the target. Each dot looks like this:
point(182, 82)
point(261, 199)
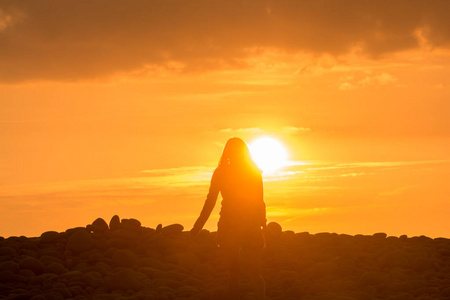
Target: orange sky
point(124, 107)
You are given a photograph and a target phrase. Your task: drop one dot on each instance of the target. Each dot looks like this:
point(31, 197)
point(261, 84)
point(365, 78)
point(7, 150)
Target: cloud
point(294, 130)
point(345, 86)
point(75, 40)
point(364, 79)
point(149, 181)
point(241, 130)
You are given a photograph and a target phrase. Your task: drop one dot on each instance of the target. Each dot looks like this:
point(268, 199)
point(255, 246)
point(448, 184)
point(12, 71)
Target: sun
point(268, 153)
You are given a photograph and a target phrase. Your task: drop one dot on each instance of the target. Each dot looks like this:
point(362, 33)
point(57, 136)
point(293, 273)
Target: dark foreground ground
point(124, 260)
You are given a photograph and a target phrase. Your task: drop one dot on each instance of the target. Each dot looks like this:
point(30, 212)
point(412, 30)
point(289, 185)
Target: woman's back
point(242, 192)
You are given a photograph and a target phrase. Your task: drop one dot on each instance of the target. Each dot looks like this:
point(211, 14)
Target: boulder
point(125, 234)
point(114, 223)
point(55, 268)
point(10, 266)
point(188, 260)
point(31, 263)
point(126, 279)
point(172, 229)
point(274, 230)
point(131, 224)
point(380, 235)
point(99, 225)
point(124, 258)
point(49, 236)
point(422, 263)
point(8, 251)
point(80, 241)
point(371, 278)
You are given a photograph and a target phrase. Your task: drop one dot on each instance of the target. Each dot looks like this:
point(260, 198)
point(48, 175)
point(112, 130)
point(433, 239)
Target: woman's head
point(236, 151)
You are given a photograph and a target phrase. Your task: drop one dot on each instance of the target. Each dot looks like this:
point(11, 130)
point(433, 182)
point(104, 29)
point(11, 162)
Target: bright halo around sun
point(268, 153)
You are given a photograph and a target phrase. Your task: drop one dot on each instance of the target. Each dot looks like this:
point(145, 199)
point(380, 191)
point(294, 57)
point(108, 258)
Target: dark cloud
point(76, 39)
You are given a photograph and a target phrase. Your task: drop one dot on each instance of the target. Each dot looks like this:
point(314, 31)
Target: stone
point(31, 263)
point(10, 266)
point(133, 262)
point(8, 251)
point(124, 258)
point(401, 296)
point(99, 225)
point(446, 292)
point(187, 291)
point(187, 260)
point(380, 235)
point(421, 264)
point(131, 224)
point(114, 223)
point(80, 241)
point(47, 259)
point(49, 236)
point(125, 234)
point(172, 229)
point(55, 268)
point(70, 231)
point(371, 279)
point(126, 279)
point(274, 230)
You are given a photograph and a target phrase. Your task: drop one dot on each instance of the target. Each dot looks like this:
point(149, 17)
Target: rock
point(125, 234)
point(70, 231)
point(47, 259)
point(187, 260)
point(274, 230)
point(158, 228)
point(10, 266)
point(49, 236)
point(133, 262)
point(80, 241)
point(99, 225)
point(126, 279)
point(187, 291)
point(31, 263)
point(6, 276)
point(323, 269)
point(55, 268)
point(114, 223)
point(172, 229)
point(124, 258)
point(380, 235)
point(446, 292)
point(131, 224)
point(402, 296)
point(421, 264)
point(371, 279)
point(400, 286)
point(8, 251)
point(27, 273)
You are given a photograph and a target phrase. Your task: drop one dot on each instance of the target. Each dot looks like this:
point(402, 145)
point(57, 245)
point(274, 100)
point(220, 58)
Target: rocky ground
point(124, 260)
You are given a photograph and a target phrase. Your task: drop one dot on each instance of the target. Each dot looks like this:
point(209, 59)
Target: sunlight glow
point(268, 153)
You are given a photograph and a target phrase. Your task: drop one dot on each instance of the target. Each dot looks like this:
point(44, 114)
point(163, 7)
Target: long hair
point(236, 151)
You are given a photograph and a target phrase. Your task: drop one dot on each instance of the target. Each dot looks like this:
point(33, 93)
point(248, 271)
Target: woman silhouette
point(242, 216)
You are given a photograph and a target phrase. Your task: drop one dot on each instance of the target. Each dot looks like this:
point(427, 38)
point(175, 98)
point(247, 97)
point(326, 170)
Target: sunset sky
point(123, 107)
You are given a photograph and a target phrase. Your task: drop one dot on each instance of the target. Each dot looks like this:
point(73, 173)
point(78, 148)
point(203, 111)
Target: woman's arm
point(210, 202)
